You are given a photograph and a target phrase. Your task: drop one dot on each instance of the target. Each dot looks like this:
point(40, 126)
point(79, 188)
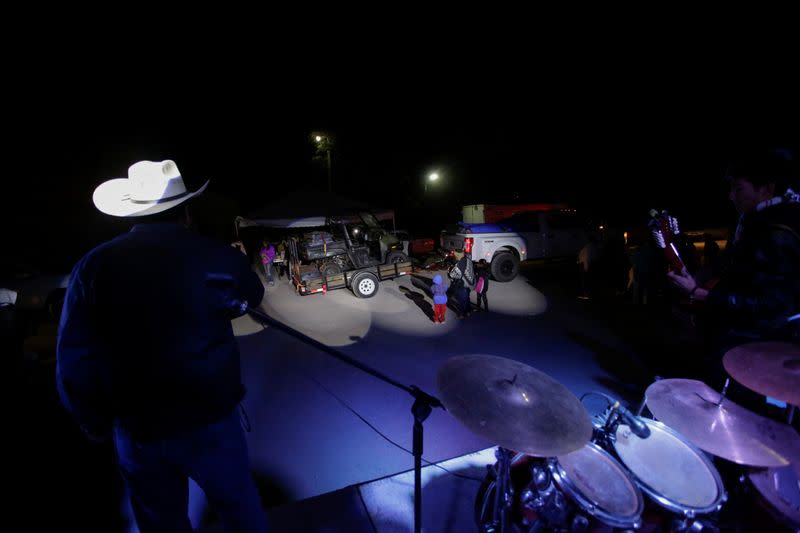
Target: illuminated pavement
point(308, 449)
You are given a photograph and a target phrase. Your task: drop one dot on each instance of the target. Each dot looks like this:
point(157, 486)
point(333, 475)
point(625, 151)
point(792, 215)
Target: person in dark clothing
point(482, 284)
point(146, 354)
point(757, 295)
point(463, 280)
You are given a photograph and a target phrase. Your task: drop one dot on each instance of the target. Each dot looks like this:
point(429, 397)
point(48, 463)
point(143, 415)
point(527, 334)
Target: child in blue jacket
point(439, 290)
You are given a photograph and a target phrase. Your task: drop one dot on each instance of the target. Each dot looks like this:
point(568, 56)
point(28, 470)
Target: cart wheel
point(364, 284)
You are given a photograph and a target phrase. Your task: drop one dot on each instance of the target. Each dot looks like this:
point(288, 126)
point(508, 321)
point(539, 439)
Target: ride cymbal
point(769, 368)
point(513, 405)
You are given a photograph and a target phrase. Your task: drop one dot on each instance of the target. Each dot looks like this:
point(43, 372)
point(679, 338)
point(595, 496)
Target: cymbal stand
point(503, 492)
point(422, 407)
point(724, 392)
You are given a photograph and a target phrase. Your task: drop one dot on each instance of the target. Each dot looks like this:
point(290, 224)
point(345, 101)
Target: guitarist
point(758, 292)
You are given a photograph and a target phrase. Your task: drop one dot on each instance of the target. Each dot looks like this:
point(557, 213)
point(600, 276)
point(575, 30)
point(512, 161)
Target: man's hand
point(684, 281)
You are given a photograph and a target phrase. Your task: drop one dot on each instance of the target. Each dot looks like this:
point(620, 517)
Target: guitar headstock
point(664, 228)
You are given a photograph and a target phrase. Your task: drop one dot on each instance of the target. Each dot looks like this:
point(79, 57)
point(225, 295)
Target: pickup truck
point(502, 249)
point(528, 235)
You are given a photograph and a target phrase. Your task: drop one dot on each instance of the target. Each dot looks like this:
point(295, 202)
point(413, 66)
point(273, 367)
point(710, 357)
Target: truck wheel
point(364, 284)
point(396, 257)
point(505, 267)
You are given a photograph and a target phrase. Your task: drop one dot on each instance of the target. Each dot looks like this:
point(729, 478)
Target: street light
point(433, 176)
point(324, 144)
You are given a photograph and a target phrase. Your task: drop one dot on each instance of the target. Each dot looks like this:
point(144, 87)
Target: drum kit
point(558, 469)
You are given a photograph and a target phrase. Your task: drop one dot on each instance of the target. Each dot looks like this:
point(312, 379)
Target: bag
point(479, 285)
point(455, 273)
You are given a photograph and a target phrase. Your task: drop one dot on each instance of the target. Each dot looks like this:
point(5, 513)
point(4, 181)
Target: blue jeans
point(157, 474)
point(268, 271)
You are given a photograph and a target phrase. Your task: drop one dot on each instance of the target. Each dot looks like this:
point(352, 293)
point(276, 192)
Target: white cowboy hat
point(151, 187)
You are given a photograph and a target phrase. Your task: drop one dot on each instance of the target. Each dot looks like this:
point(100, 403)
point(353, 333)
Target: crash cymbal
point(513, 405)
point(728, 430)
point(769, 368)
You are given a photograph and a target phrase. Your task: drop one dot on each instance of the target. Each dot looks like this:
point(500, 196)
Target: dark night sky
point(615, 147)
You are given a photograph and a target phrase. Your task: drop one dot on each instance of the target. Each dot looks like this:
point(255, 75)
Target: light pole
point(324, 143)
point(433, 176)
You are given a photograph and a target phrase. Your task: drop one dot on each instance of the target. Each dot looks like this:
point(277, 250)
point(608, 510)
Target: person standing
point(267, 258)
point(439, 291)
point(146, 354)
point(587, 258)
point(463, 276)
point(482, 284)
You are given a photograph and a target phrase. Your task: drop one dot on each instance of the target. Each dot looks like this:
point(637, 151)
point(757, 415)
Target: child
point(482, 285)
point(267, 257)
point(439, 291)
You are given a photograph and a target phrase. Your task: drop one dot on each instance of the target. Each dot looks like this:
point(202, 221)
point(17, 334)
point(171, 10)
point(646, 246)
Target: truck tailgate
point(452, 241)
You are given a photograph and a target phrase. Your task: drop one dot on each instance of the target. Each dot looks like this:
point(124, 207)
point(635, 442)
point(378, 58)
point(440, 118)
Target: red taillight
point(468, 244)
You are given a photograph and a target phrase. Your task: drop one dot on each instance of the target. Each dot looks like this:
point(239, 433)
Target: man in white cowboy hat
point(146, 354)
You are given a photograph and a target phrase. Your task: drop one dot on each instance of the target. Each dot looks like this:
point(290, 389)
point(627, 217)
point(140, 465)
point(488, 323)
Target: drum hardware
point(724, 392)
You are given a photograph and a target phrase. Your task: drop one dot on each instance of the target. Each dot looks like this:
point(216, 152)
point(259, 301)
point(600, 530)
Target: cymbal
point(769, 368)
point(513, 405)
point(729, 431)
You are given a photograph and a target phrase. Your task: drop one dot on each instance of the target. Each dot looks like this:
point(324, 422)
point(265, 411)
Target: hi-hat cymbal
point(513, 405)
point(769, 368)
point(729, 431)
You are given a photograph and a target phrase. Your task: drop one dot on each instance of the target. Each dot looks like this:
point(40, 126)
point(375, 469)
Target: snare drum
point(670, 470)
point(599, 485)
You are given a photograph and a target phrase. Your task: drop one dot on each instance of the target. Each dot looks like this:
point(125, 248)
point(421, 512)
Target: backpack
point(479, 285)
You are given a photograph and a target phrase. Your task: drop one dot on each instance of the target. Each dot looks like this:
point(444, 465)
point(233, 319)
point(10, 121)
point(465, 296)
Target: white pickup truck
point(503, 250)
point(528, 235)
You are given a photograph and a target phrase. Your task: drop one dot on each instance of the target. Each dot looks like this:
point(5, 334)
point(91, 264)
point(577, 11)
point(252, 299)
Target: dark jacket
point(759, 286)
point(145, 340)
point(464, 271)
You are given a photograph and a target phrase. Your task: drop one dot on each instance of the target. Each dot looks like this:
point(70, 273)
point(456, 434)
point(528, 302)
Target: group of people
point(146, 354)
point(465, 276)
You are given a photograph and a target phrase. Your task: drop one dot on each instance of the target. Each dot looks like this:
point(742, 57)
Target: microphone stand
point(422, 407)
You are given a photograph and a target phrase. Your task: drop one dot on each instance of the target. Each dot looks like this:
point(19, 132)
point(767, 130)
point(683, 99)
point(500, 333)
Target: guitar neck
point(663, 239)
point(674, 258)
